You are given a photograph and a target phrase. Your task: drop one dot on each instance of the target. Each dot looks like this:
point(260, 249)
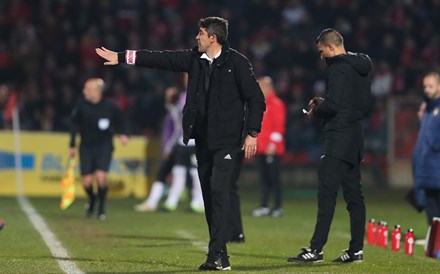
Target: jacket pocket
point(188, 119)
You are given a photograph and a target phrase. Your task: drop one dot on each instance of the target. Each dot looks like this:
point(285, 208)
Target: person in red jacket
point(270, 147)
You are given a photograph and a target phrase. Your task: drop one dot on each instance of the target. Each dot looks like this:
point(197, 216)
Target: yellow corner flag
point(68, 186)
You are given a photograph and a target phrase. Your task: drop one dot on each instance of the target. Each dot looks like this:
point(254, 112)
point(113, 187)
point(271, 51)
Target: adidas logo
point(345, 257)
point(309, 256)
point(228, 157)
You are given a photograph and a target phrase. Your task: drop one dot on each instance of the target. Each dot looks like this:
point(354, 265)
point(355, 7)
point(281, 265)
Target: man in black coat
point(342, 109)
point(221, 83)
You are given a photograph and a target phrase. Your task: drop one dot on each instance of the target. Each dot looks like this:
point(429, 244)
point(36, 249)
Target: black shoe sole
point(207, 268)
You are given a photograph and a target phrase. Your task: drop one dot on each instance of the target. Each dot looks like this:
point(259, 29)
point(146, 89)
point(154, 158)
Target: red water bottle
point(385, 235)
point(379, 234)
point(396, 235)
point(409, 242)
point(371, 231)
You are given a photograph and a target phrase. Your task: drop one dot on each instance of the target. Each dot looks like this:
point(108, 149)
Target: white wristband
point(130, 57)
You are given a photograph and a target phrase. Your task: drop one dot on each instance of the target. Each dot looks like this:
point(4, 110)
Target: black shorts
point(185, 156)
point(95, 158)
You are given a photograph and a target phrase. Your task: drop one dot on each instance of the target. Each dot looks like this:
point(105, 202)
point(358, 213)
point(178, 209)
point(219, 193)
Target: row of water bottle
point(377, 233)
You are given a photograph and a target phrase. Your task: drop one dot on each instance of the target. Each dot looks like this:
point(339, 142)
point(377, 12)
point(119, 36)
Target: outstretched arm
point(110, 56)
point(179, 60)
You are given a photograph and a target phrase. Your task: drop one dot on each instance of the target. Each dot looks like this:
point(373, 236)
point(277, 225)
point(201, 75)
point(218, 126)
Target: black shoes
point(89, 212)
point(276, 213)
point(237, 239)
point(350, 257)
point(265, 211)
point(307, 255)
point(217, 260)
point(89, 209)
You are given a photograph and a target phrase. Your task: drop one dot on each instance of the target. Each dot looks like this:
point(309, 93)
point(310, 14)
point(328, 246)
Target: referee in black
point(96, 118)
point(221, 82)
point(345, 103)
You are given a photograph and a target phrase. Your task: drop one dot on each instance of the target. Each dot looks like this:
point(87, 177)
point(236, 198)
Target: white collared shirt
point(205, 56)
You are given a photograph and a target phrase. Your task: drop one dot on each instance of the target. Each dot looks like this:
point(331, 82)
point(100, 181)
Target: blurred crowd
point(47, 52)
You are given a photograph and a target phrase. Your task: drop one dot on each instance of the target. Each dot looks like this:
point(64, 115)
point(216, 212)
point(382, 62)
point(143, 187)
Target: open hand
point(249, 146)
point(110, 56)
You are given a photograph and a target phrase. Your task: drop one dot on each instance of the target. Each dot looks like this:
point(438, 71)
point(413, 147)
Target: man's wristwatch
point(253, 133)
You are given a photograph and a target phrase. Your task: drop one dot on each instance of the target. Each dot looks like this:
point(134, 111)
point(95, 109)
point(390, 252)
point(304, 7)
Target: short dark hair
point(434, 74)
point(216, 26)
point(330, 36)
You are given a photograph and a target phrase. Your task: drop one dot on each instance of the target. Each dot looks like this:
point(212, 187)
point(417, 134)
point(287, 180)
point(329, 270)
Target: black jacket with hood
point(232, 86)
point(347, 98)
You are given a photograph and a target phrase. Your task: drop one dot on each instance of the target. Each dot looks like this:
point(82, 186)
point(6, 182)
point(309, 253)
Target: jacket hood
point(358, 61)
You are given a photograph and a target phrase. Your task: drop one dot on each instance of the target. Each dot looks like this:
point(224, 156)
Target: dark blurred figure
point(270, 147)
point(235, 231)
point(426, 156)
point(97, 119)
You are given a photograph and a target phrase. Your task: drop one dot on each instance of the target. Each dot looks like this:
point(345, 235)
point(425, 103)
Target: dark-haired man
point(342, 110)
point(221, 83)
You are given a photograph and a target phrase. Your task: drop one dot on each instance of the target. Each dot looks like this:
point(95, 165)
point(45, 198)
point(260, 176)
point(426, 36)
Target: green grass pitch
point(162, 242)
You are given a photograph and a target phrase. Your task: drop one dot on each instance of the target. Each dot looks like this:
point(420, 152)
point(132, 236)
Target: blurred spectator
point(270, 147)
point(48, 46)
point(382, 81)
point(426, 157)
point(5, 105)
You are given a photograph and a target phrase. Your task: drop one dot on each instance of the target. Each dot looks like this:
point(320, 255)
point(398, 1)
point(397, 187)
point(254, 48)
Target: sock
point(155, 194)
point(102, 194)
point(177, 186)
point(91, 195)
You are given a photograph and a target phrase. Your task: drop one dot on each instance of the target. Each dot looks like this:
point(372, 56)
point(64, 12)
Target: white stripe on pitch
point(58, 251)
point(194, 240)
point(55, 246)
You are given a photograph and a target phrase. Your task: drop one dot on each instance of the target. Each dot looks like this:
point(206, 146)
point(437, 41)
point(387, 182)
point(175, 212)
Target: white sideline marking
point(194, 240)
point(58, 251)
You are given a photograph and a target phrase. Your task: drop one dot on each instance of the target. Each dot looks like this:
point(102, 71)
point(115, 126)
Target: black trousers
point(432, 203)
point(235, 223)
point(332, 173)
point(270, 180)
point(166, 166)
point(216, 169)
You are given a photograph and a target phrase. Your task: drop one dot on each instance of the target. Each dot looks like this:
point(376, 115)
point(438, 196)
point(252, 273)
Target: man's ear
point(213, 38)
point(331, 47)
